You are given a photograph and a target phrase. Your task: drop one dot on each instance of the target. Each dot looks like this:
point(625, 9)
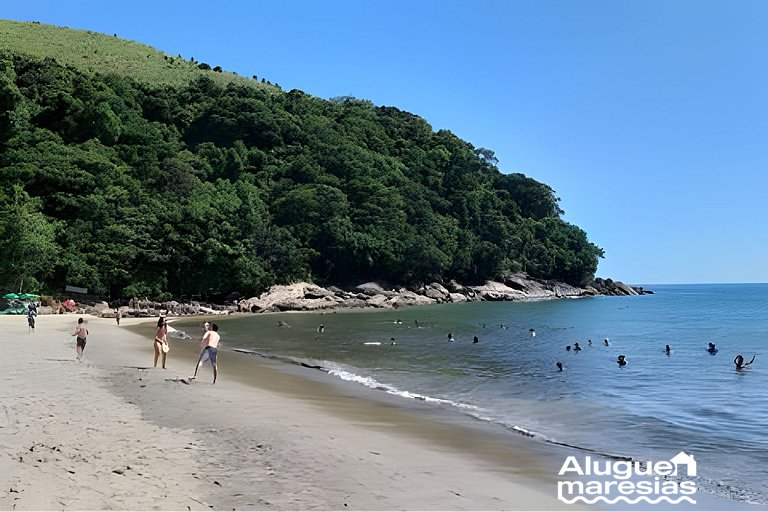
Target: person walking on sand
point(118, 315)
point(161, 341)
point(31, 316)
point(210, 346)
point(81, 331)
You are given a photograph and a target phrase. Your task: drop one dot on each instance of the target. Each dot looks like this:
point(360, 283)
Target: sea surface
point(656, 406)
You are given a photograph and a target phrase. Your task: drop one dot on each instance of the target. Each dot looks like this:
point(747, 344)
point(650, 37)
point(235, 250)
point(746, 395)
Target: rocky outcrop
point(617, 288)
point(523, 287)
point(145, 308)
point(310, 297)
point(517, 287)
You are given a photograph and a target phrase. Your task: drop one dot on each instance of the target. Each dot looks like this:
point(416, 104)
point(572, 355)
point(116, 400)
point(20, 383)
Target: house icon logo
point(683, 459)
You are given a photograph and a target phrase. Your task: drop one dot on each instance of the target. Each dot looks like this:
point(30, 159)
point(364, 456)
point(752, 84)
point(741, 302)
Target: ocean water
point(654, 407)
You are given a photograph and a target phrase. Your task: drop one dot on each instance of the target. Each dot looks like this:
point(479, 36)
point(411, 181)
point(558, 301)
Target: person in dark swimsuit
point(740, 364)
point(622, 361)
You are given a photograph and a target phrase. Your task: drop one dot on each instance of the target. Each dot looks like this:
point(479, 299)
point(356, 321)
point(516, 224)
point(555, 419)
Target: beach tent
point(28, 296)
point(11, 296)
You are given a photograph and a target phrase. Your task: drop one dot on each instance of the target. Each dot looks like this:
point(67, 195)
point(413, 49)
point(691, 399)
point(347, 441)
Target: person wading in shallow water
point(739, 362)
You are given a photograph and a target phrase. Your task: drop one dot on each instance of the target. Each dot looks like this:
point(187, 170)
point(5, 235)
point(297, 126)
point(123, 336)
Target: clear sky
point(648, 118)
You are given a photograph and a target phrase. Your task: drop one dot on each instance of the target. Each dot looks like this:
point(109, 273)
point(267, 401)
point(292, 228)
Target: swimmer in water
point(475, 340)
point(533, 332)
point(622, 361)
point(667, 350)
point(576, 347)
point(567, 348)
point(712, 349)
point(321, 328)
point(559, 366)
point(589, 342)
point(450, 337)
point(740, 364)
point(606, 342)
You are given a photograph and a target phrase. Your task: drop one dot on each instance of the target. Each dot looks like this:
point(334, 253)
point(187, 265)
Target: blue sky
point(648, 118)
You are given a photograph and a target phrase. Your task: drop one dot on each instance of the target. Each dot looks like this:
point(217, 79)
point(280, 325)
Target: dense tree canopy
point(129, 188)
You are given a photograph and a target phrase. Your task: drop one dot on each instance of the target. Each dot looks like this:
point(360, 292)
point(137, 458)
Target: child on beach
point(81, 331)
point(31, 316)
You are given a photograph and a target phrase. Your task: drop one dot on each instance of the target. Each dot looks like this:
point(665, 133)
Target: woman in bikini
point(161, 340)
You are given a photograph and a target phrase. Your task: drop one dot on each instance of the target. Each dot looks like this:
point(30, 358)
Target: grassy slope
point(101, 53)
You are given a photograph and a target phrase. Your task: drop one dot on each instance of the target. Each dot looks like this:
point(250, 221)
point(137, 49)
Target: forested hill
point(206, 183)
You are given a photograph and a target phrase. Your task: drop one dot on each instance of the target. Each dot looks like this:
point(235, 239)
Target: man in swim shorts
point(210, 346)
point(81, 331)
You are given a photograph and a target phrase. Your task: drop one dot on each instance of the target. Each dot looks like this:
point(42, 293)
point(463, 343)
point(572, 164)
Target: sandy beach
point(111, 433)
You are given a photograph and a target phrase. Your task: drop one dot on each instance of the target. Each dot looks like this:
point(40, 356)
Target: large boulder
point(495, 291)
point(379, 301)
point(374, 288)
point(437, 291)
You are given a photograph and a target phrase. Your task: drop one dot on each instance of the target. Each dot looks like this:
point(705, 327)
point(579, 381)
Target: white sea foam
point(175, 333)
point(374, 384)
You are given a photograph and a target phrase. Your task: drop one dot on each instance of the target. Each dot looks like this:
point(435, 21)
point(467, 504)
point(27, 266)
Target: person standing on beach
point(81, 331)
point(161, 341)
point(118, 315)
point(210, 346)
point(31, 316)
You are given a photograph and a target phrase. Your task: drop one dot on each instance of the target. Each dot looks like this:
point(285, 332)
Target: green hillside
point(101, 53)
point(131, 174)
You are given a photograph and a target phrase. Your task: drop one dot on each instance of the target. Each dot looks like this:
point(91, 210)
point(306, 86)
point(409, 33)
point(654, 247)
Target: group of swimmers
point(451, 339)
point(622, 359)
point(577, 348)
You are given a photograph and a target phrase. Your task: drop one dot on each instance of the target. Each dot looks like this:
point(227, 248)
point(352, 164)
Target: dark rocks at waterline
point(617, 288)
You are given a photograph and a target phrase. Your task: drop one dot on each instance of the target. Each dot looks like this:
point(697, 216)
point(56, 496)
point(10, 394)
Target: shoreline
point(116, 435)
point(267, 436)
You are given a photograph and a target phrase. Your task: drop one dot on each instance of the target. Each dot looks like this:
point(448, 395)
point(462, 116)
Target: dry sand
point(111, 433)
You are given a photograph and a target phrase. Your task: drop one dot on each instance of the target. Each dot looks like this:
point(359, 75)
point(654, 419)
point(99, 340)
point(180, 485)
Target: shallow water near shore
point(652, 408)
